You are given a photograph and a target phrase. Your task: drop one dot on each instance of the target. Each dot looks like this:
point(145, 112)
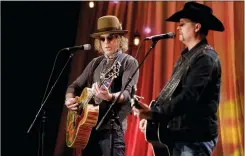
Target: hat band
point(107, 29)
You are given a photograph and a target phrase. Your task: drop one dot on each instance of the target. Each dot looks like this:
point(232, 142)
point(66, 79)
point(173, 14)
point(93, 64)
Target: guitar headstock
point(112, 72)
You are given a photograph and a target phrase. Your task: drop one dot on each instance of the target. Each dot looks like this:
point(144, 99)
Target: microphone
point(80, 47)
point(161, 36)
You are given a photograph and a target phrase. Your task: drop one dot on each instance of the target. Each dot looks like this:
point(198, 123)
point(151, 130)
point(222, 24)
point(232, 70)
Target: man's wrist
point(111, 97)
point(67, 98)
point(149, 117)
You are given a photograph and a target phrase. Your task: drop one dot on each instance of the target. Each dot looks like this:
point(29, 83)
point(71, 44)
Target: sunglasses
point(109, 38)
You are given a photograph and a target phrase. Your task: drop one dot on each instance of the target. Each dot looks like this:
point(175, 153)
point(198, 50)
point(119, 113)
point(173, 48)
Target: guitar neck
point(92, 93)
point(106, 82)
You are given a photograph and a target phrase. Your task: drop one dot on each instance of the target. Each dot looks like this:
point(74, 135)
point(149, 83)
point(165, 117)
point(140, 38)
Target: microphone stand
point(43, 115)
point(112, 119)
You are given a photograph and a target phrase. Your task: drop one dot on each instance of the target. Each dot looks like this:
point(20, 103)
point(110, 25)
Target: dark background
point(32, 33)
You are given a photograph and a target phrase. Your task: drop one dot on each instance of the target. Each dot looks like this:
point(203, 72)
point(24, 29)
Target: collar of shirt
point(114, 56)
point(107, 62)
point(186, 54)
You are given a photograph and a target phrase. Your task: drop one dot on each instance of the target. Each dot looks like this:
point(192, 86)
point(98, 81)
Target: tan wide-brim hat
point(108, 25)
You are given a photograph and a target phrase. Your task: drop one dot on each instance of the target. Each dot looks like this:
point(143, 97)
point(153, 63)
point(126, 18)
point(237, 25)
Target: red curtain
point(156, 70)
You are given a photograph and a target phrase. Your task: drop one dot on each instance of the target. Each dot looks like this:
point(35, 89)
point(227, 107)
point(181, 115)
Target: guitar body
point(80, 124)
point(154, 134)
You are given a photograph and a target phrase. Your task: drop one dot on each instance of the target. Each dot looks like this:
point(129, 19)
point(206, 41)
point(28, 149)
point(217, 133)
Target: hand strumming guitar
point(71, 103)
point(143, 111)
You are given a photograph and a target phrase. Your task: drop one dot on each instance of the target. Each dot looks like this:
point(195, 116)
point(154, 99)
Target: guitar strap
point(168, 90)
point(97, 62)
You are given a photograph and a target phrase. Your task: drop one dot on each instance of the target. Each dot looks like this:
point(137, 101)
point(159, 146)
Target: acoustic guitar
point(80, 123)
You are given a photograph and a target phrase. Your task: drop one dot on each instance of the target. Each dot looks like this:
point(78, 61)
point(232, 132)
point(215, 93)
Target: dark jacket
point(191, 112)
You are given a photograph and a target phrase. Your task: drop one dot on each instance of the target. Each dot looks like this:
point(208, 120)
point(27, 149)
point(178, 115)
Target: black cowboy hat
point(198, 13)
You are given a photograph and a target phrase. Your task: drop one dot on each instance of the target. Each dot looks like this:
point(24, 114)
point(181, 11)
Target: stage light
point(136, 39)
point(91, 4)
point(115, 1)
point(147, 30)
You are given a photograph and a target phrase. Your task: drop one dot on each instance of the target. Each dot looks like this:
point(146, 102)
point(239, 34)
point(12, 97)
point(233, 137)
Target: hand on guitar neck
point(102, 92)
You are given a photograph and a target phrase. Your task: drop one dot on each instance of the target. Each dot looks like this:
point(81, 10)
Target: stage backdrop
point(135, 17)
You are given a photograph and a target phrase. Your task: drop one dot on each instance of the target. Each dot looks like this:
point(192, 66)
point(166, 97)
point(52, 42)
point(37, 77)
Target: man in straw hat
point(189, 102)
point(110, 41)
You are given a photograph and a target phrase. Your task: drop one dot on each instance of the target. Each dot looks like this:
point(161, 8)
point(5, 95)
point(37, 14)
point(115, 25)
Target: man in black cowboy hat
point(189, 109)
point(111, 42)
